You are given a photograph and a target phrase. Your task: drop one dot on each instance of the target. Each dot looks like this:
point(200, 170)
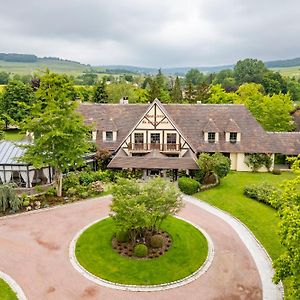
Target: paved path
point(34, 251)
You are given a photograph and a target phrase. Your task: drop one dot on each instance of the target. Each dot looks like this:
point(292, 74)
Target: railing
point(154, 146)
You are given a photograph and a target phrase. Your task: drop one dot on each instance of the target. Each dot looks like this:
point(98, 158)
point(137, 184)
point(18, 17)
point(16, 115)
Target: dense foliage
point(136, 208)
point(260, 192)
point(55, 126)
point(211, 165)
point(188, 185)
point(9, 198)
point(288, 202)
point(258, 160)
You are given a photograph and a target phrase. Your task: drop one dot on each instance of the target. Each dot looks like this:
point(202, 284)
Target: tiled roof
point(144, 162)
point(191, 120)
point(210, 126)
point(232, 126)
point(111, 117)
point(286, 142)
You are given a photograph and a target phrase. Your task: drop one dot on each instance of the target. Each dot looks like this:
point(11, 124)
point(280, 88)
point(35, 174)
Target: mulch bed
point(126, 249)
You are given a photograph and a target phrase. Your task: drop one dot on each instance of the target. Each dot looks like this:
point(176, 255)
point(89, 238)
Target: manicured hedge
point(260, 192)
point(188, 185)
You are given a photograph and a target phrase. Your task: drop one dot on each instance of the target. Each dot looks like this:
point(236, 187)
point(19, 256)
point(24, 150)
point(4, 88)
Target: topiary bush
point(260, 192)
point(188, 185)
point(276, 172)
point(122, 236)
point(140, 250)
point(156, 241)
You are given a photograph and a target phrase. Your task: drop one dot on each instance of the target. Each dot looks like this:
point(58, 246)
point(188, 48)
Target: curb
point(142, 288)
point(13, 285)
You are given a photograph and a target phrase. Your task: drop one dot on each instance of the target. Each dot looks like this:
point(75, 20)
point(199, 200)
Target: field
point(289, 72)
point(54, 65)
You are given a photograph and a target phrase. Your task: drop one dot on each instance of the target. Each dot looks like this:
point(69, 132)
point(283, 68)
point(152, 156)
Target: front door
point(155, 141)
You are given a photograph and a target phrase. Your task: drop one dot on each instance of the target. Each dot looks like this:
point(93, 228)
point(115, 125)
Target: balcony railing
point(154, 146)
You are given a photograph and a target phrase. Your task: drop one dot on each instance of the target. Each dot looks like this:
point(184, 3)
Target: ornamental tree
point(136, 208)
point(60, 136)
point(210, 165)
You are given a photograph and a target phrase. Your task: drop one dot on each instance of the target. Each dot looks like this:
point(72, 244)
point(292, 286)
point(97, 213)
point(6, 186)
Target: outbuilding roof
point(10, 153)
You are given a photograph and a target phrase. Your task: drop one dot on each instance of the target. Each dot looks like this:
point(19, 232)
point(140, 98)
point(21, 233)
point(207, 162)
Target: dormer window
point(211, 137)
point(233, 137)
point(108, 136)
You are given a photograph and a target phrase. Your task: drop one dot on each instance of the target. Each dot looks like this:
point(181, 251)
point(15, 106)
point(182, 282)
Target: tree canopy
point(288, 202)
point(60, 136)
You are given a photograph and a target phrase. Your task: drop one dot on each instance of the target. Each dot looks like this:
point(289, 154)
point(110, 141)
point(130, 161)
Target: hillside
point(28, 63)
point(55, 65)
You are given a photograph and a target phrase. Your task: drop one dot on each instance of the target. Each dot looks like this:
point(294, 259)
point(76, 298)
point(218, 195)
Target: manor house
point(160, 137)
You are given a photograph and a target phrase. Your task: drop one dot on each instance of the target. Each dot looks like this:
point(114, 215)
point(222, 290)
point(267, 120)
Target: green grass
point(13, 135)
point(6, 293)
point(261, 219)
point(288, 71)
point(187, 253)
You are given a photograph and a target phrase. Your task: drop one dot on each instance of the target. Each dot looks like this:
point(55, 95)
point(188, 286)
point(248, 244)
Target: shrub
point(221, 164)
point(188, 185)
point(71, 180)
point(25, 203)
point(96, 187)
point(38, 189)
point(122, 236)
point(276, 172)
point(257, 160)
point(51, 192)
point(156, 241)
point(86, 178)
point(101, 176)
point(84, 195)
point(71, 191)
point(9, 198)
point(260, 192)
point(140, 250)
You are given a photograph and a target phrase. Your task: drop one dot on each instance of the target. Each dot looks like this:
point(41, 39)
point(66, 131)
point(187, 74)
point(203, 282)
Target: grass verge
point(6, 293)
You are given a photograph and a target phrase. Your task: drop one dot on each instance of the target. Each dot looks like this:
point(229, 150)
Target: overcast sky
point(154, 33)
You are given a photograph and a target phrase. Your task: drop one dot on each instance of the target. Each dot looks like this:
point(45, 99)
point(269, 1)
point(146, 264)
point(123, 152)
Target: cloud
point(152, 33)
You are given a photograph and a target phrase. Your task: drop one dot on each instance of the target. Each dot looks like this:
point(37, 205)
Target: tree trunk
point(58, 179)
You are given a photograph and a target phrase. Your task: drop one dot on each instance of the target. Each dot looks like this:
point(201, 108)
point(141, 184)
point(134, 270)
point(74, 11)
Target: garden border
point(142, 288)
point(13, 285)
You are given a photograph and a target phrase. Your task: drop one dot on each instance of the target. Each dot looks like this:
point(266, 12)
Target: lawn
point(6, 293)
point(13, 135)
point(188, 252)
point(261, 219)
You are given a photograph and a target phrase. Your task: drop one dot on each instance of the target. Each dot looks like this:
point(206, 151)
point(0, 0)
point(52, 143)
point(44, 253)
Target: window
point(109, 136)
point(138, 138)
point(171, 138)
point(155, 138)
point(211, 137)
point(233, 137)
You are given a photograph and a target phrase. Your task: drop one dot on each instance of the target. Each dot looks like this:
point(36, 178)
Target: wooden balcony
point(150, 147)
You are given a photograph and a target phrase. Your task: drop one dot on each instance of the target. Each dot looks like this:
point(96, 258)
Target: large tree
point(288, 202)
point(100, 94)
point(176, 94)
point(16, 101)
point(249, 70)
point(273, 112)
point(60, 136)
point(194, 76)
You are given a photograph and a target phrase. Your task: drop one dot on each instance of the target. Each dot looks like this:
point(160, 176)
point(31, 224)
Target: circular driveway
point(34, 251)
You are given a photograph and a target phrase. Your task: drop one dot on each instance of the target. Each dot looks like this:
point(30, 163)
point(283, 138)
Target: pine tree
point(176, 91)
point(189, 93)
point(100, 95)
